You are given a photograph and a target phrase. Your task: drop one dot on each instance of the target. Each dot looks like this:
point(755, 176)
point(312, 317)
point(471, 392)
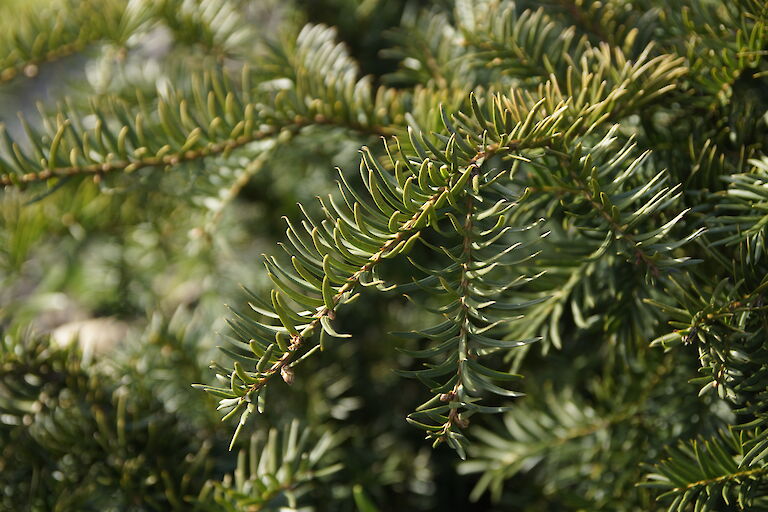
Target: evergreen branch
point(213, 119)
point(429, 54)
point(463, 320)
point(595, 177)
point(264, 474)
point(536, 437)
point(245, 387)
point(38, 37)
point(514, 130)
point(57, 409)
point(618, 230)
point(738, 475)
point(596, 80)
point(728, 326)
point(474, 287)
point(128, 166)
point(179, 158)
point(556, 430)
point(407, 230)
point(196, 125)
point(526, 44)
point(610, 199)
point(192, 143)
point(475, 298)
point(742, 209)
point(700, 316)
point(708, 474)
point(738, 47)
point(351, 246)
point(543, 319)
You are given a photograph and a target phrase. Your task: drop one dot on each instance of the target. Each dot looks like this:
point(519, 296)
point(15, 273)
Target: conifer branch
point(129, 166)
point(407, 230)
point(168, 159)
point(708, 472)
point(619, 231)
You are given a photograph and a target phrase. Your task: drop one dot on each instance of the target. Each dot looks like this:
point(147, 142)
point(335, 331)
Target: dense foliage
point(532, 232)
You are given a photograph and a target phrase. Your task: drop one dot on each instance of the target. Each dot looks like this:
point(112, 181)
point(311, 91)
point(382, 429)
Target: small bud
point(287, 374)
point(30, 70)
point(461, 422)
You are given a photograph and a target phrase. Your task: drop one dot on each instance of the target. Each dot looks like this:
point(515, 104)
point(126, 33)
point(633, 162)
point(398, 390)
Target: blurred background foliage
point(114, 292)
